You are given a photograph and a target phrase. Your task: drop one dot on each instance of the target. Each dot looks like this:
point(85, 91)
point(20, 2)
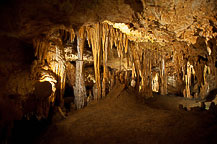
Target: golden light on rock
point(52, 81)
point(133, 35)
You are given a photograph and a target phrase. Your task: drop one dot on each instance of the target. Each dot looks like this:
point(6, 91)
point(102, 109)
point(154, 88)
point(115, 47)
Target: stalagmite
point(188, 81)
point(205, 85)
point(155, 82)
point(163, 87)
point(126, 78)
point(112, 83)
point(190, 71)
point(133, 72)
point(79, 88)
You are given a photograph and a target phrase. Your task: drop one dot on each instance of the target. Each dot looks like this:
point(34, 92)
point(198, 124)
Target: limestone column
point(79, 88)
point(188, 80)
point(163, 87)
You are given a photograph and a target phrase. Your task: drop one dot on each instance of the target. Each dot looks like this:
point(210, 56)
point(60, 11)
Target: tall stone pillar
point(163, 86)
point(79, 88)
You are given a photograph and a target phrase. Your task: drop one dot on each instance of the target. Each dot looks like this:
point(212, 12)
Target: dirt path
point(123, 119)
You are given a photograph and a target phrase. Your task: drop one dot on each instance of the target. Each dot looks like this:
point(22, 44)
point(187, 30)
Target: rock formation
point(165, 46)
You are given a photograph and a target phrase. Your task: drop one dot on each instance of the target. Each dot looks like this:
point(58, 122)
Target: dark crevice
point(136, 5)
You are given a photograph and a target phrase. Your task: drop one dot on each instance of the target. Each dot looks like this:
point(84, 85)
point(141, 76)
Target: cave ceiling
point(162, 21)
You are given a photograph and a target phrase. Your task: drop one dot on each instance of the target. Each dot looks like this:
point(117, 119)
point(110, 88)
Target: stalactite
point(131, 56)
point(94, 37)
point(141, 67)
point(105, 50)
point(65, 35)
point(116, 34)
point(150, 77)
point(72, 35)
point(41, 45)
point(98, 57)
point(126, 45)
point(104, 33)
point(137, 64)
point(111, 36)
point(57, 64)
point(92, 32)
point(133, 72)
point(120, 42)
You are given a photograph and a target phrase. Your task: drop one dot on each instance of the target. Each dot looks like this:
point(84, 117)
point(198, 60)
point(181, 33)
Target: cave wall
point(16, 83)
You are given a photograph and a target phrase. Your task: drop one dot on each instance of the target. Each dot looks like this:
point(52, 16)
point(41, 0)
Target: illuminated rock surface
point(62, 55)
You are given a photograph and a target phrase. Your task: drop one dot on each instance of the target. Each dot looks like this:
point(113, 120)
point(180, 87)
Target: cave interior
point(108, 71)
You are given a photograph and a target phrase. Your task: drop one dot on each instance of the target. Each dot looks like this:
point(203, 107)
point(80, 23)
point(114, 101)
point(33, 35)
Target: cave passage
point(108, 71)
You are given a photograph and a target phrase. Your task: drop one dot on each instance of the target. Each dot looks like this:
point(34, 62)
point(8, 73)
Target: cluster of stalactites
point(57, 65)
point(204, 84)
point(142, 64)
point(41, 47)
point(101, 38)
point(196, 75)
point(63, 34)
point(50, 57)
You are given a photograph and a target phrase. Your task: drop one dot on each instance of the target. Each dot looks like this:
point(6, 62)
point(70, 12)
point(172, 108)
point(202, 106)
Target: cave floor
point(124, 119)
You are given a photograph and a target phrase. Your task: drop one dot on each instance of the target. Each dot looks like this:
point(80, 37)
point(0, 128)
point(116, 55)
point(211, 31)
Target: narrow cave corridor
point(108, 71)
